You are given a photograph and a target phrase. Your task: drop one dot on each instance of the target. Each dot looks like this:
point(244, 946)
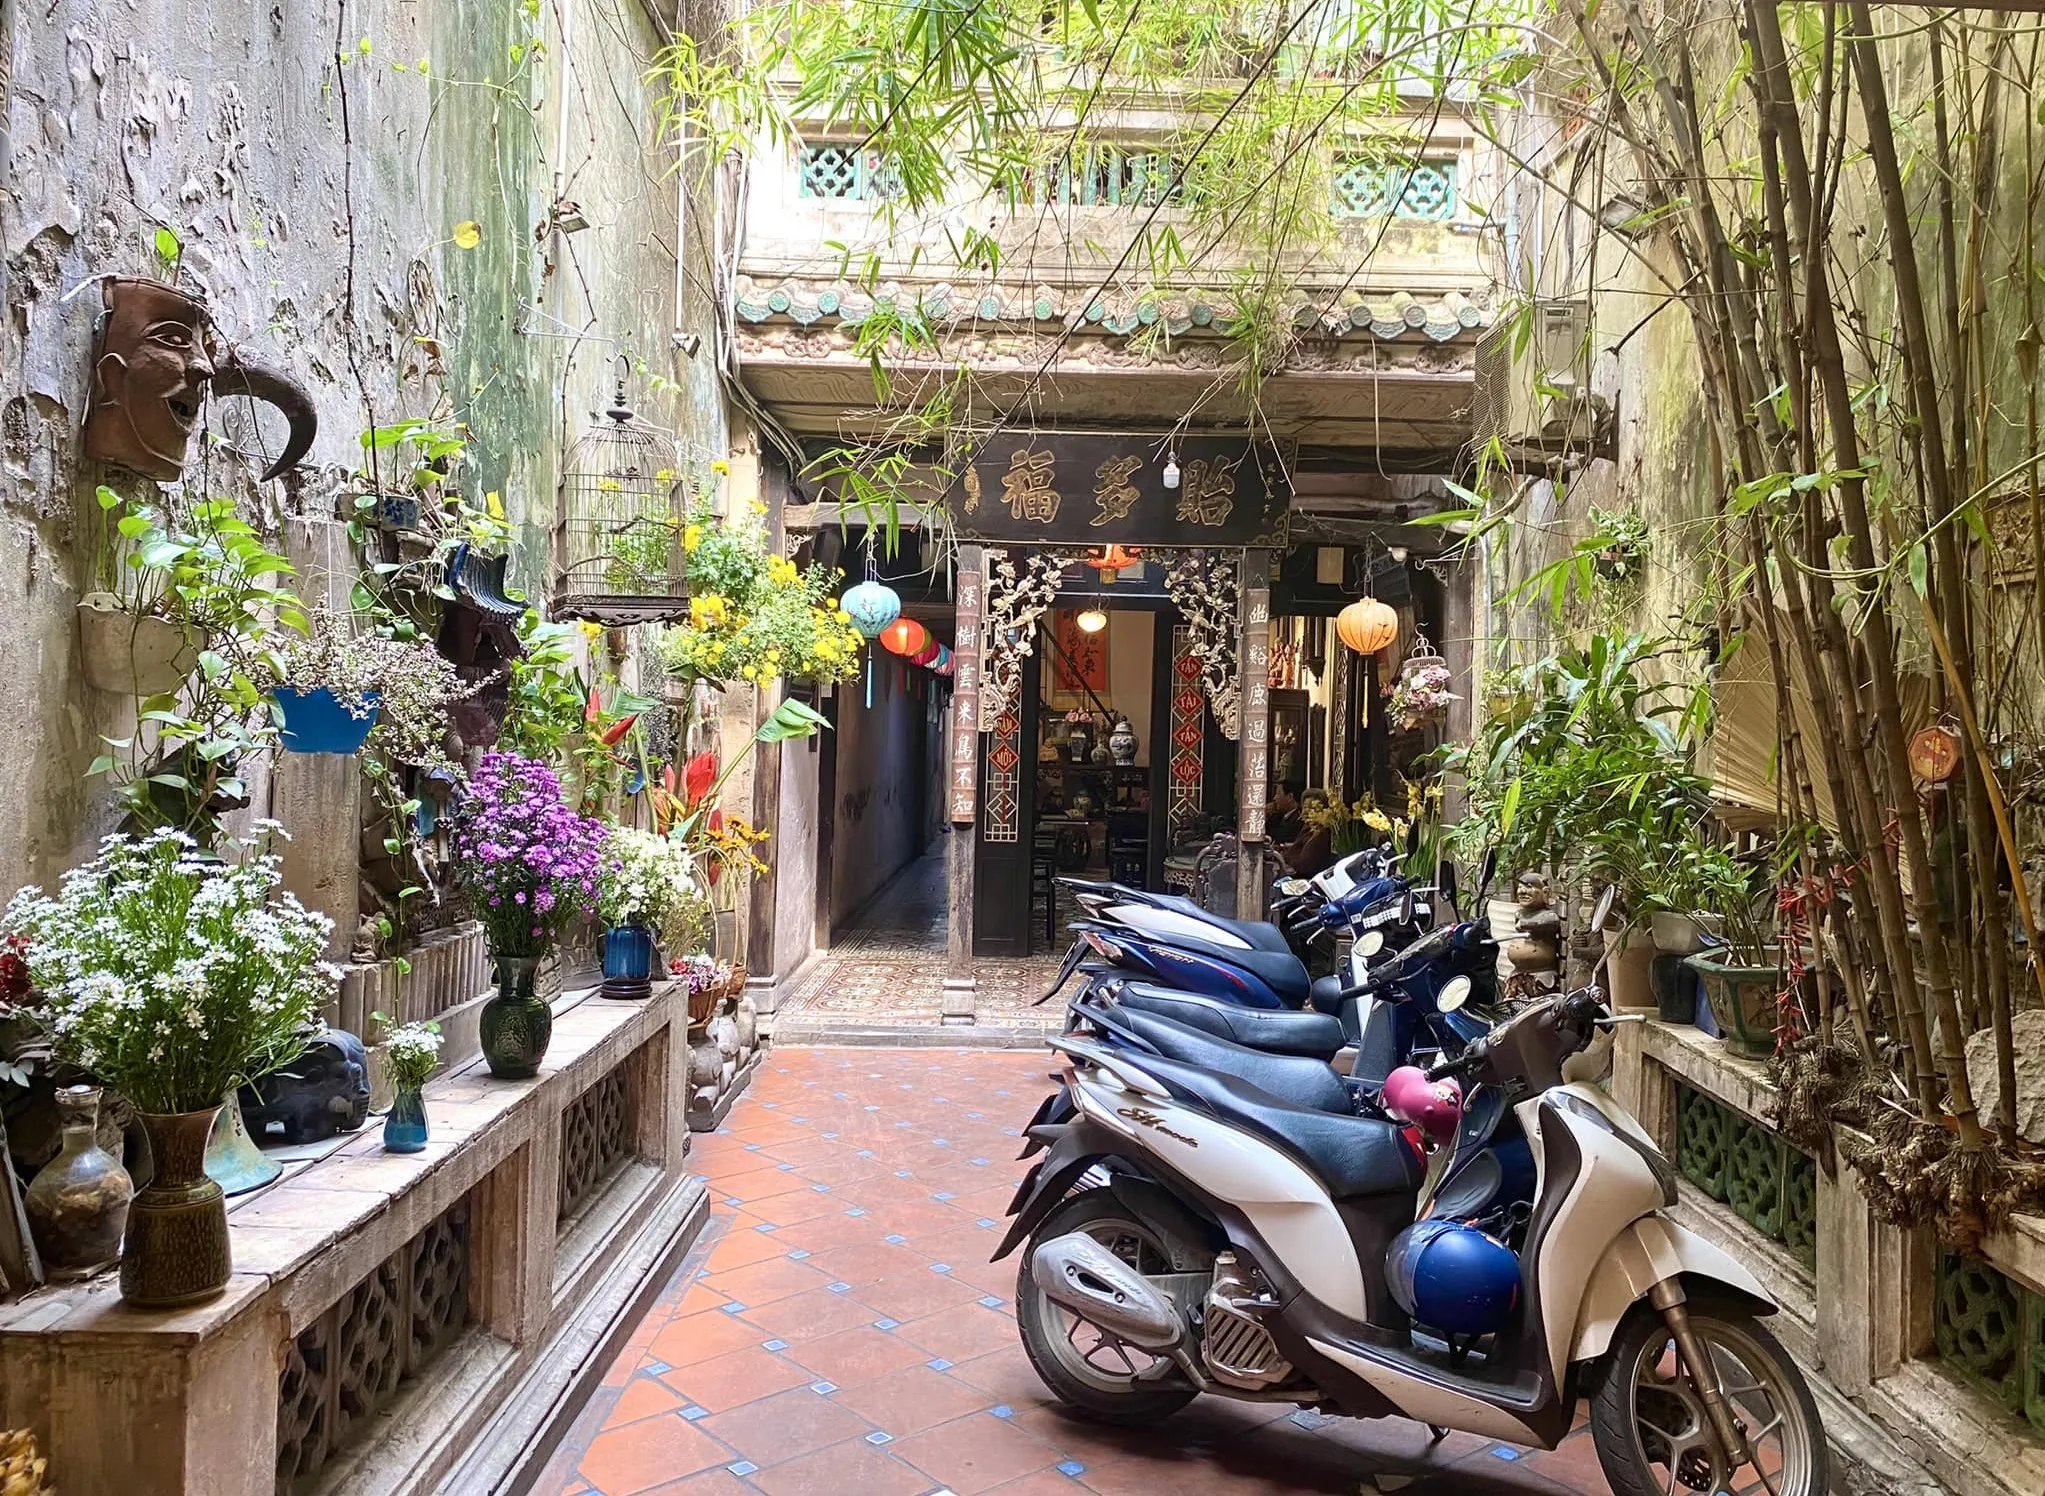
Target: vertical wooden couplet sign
point(1253, 744)
point(962, 780)
point(964, 768)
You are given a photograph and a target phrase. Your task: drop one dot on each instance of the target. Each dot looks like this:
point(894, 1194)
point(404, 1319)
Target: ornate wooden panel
point(352, 1362)
point(596, 1132)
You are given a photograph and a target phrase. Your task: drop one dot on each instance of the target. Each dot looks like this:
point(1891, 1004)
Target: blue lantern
point(873, 606)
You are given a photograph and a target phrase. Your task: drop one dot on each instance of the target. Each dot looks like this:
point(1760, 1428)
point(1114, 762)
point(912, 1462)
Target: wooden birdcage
point(618, 541)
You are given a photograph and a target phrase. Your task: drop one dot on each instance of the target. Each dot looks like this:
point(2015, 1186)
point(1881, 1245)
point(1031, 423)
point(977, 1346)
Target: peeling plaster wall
point(234, 126)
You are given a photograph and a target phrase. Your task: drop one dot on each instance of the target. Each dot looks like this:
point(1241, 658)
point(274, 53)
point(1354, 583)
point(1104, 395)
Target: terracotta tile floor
point(838, 1331)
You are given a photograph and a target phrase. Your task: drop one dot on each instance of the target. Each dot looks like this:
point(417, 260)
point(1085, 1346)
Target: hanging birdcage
point(618, 543)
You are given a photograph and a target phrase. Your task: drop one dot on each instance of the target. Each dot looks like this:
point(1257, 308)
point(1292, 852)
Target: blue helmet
point(1453, 1277)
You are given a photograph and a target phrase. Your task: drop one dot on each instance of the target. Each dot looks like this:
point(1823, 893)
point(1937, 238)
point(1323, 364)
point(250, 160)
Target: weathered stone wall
point(315, 164)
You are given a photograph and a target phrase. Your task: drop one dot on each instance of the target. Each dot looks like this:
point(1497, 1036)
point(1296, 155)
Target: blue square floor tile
point(821, 1189)
point(655, 1368)
point(940, 1267)
point(798, 1254)
point(991, 1301)
point(823, 1389)
point(877, 1437)
point(940, 1364)
point(857, 1210)
point(986, 1223)
point(692, 1412)
point(773, 1345)
point(786, 1168)
point(1002, 1410)
point(1499, 1451)
point(764, 1226)
point(734, 1307)
point(944, 1195)
point(743, 1468)
point(1072, 1468)
point(841, 1288)
point(886, 1324)
point(895, 1239)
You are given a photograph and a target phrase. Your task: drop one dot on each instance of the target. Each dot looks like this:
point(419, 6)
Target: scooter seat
point(1259, 935)
point(1353, 1156)
point(1309, 1082)
point(1273, 1030)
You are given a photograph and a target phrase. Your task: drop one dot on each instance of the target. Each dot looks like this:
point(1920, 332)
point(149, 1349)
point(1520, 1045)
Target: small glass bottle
point(78, 1204)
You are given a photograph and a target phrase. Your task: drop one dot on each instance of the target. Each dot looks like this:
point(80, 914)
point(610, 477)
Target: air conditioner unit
point(1540, 399)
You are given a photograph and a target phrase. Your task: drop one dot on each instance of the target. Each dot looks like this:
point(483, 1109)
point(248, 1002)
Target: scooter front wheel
point(1654, 1435)
point(1085, 1367)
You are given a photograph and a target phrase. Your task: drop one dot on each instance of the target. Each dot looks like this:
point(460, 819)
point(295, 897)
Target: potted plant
point(530, 863)
point(334, 687)
point(173, 980)
point(754, 616)
point(411, 1052)
point(644, 876)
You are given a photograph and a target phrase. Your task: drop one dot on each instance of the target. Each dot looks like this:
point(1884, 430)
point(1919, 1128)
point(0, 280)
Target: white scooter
point(1187, 1233)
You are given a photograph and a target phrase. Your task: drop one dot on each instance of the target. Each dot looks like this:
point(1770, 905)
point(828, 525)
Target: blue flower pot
point(628, 961)
point(404, 1130)
point(316, 721)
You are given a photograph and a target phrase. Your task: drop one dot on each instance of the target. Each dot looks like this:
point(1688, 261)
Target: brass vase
point(176, 1248)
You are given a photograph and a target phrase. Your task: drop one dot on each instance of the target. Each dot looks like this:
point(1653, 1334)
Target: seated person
point(1313, 850)
point(1281, 817)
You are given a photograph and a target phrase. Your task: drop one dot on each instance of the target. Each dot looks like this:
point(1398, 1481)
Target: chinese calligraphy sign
point(965, 702)
point(1207, 492)
point(1027, 486)
point(1099, 488)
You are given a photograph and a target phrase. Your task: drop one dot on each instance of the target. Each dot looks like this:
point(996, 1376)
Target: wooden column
point(766, 814)
point(962, 784)
point(1253, 735)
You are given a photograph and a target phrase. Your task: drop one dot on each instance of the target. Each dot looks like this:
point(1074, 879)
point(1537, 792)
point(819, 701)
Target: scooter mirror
point(1406, 910)
point(1487, 871)
point(1603, 912)
point(1450, 885)
point(1413, 836)
point(1370, 942)
point(1454, 993)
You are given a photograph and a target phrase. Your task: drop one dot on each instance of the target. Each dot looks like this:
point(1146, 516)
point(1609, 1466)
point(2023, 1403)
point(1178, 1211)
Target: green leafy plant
point(548, 691)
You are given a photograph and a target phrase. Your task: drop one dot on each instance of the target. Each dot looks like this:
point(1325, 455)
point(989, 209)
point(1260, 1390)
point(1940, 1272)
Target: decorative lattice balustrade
point(1769, 1185)
point(597, 1131)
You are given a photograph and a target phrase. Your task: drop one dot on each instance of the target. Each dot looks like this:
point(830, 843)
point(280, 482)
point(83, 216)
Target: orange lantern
point(1367, 625)
point(1111, 562)
point(905, 636)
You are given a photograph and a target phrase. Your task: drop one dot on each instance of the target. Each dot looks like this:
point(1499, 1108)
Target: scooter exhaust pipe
point(1079, 1273)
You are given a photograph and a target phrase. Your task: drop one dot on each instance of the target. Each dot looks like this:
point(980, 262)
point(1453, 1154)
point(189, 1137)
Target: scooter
point(1250, 1248)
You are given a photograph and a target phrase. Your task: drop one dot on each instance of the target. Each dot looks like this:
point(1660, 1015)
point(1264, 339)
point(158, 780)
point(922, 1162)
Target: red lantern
point(1112, 559)
point(905, 637)
point(927, 655)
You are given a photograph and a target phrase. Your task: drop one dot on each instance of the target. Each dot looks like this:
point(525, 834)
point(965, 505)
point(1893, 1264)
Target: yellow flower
point(780, 570)
point(832, 604)
point(720, 467)
point(591, 630)
point(692, 537)
point(826, 650)
point(708, 609)
point(843, 616)
point(1377, 820)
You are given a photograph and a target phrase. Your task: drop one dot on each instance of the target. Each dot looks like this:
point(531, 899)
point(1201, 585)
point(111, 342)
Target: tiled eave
point(1390, 317)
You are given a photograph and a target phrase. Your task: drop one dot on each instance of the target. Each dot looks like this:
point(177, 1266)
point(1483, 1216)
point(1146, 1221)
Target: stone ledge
point(1701, 1062)
point(195, 1391)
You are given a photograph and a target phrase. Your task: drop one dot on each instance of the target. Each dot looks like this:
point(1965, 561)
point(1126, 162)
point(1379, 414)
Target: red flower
point(617, 730)
point(698, 777)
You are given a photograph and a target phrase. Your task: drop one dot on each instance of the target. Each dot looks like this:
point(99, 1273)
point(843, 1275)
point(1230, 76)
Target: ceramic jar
point(405, 1129)
point(516, 1024)
point(78, 1203)
point(176, 1250)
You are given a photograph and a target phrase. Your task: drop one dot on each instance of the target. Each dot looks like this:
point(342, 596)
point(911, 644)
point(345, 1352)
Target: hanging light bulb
point(1171, 472)
point(1092, 621)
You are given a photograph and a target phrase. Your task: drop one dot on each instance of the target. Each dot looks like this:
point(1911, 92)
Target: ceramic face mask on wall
point(154, 359)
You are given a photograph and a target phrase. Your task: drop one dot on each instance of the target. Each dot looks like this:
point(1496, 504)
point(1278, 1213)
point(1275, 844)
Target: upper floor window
point(1370, 188)
point(1103, 176)
point(847, 172)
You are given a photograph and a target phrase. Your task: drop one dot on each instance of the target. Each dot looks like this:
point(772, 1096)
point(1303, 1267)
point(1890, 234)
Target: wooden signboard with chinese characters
point(1253, 744)
point(965, 710)
point(1101, 489)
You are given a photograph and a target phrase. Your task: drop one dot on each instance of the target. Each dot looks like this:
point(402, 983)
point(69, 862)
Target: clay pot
point(176, 1250)
point(129, 654)
point(1675, 934)
point(1629, 961)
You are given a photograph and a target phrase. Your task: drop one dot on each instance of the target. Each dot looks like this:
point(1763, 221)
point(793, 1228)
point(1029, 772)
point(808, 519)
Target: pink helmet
point(1434, 1106)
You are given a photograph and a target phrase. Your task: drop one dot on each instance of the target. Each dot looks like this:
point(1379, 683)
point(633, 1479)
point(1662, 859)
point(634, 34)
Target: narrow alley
point(839, 1329)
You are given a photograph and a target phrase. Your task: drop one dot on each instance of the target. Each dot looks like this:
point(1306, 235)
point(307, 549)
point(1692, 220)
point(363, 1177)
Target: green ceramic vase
point(516, 1024)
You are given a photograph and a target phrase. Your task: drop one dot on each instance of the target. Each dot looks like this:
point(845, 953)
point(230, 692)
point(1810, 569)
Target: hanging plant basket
point(131, 654)
point(318, 721)
point(1422, 694)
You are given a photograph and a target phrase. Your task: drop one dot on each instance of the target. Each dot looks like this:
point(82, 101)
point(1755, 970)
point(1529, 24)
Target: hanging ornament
point(1422, 695)
point(1112, 560)
point(1367, 625)
point(905, 637)
point(1935, 753)
point(873, 606)
point(944, 664)
point(927, 655)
